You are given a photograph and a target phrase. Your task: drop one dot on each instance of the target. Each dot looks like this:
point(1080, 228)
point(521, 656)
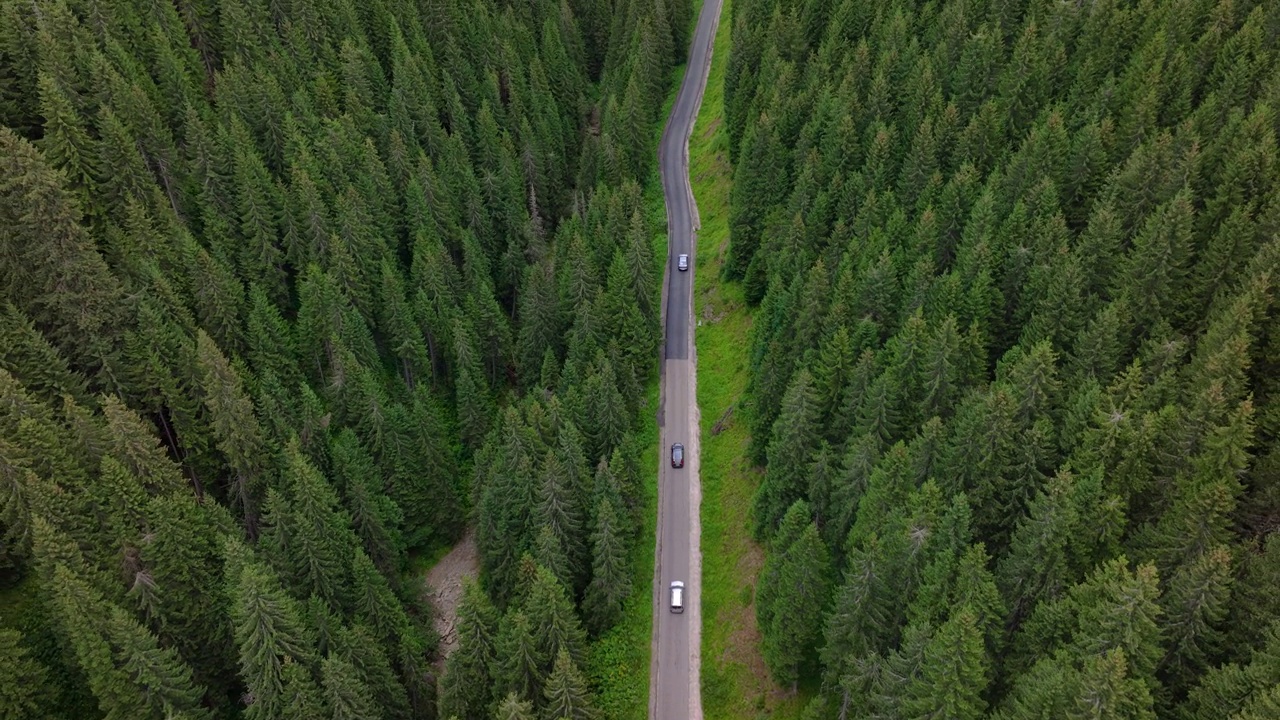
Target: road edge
point(695, 441)
point(695, 484)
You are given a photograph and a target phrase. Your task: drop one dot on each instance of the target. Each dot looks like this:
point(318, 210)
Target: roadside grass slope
point(735, 682)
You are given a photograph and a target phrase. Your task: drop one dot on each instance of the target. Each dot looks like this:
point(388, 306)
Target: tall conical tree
point(348, 697)
point(466, 687)
point(610, 584)
point(240, 438)
point(269, 630)
point(789, 451)
point(566, 691)
point(954, 673)
point(518, 669)
point(555, 623)
point(26, 694)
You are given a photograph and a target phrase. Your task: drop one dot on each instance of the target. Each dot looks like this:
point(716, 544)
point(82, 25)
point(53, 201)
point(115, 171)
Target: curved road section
point(674, 673)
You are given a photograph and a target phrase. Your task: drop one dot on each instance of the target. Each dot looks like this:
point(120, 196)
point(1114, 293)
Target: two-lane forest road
point(674, 687)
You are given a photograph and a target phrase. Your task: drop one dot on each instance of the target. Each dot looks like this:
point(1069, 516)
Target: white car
point(682, 263)
point(677, 596)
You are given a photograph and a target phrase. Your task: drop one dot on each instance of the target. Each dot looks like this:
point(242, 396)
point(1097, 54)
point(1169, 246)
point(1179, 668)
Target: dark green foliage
point(555, 623)
point(269, 629)
point(466, 688)
point(518, 669)
point(289, 259)
point(610, 583)
point(1013, 257)
point(794, 591)
point(26, 692)
point(348, 697)
point(50, 268)
point(566, 692)
point(790, 452)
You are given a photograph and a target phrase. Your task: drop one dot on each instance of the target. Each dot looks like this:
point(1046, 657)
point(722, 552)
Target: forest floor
point(735, 681)
point(443, 586)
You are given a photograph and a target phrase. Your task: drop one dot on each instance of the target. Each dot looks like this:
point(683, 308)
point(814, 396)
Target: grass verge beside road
point(735, 682)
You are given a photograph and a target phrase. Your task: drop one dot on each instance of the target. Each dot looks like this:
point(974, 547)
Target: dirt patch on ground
point(712, 127)
point(443, 586)
point(744, 643)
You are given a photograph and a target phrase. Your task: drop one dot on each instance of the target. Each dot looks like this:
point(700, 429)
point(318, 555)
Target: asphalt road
point(674, 673)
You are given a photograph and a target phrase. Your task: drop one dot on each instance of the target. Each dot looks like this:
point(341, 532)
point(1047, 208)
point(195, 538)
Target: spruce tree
point(240, 437)
point(348, 697)
point(513, 708)
point(790, 450)
point(26, 694)
point(466, 687)
point(953, 675)
point(609, 585)
point(566, 691)
point(803, 582)
point(269, 629)
point(518, 668)
point(554, 620)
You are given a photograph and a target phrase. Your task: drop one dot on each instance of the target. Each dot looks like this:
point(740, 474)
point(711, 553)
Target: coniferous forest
point(1015, 359)
point(291, 290)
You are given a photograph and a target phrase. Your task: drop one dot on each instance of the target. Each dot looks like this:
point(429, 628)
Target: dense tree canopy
point(1014, 355)
point(291, 289)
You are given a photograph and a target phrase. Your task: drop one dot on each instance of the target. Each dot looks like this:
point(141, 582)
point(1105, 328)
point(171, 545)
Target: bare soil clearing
point(443, 586)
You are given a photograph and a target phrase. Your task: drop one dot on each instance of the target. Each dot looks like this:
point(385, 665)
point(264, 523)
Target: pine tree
point(560, 511)
point(466, 687)
point(953, 675)
point(374, 602)
point(34, 362)
point(80, 611)
point(790, 450)
point(160, 675)
point(606, 412)
point(375, 517)
point(301, 699)
point(609, 585)
point(513, 708)
point(269, 629)
point(66, 142)
point(27, 691)
point(803, 580)
point(540, 325)
point(1230, 689)
point(470, 386)
point(131, 442)
point(566, 691)
point(1194, 606)
point(555, 623)
point(370, 665)
point(51, 269)
point(348, 697)
point(183, 555)
point(518, 668)
point(316, 536)
point(240, 437)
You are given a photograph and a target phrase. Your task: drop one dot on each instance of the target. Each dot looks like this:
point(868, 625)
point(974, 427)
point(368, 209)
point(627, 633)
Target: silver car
point(677, 596)
point(682, 262)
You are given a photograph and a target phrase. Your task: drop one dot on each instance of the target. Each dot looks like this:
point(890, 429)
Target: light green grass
point(735, 683)
point(421, 560)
